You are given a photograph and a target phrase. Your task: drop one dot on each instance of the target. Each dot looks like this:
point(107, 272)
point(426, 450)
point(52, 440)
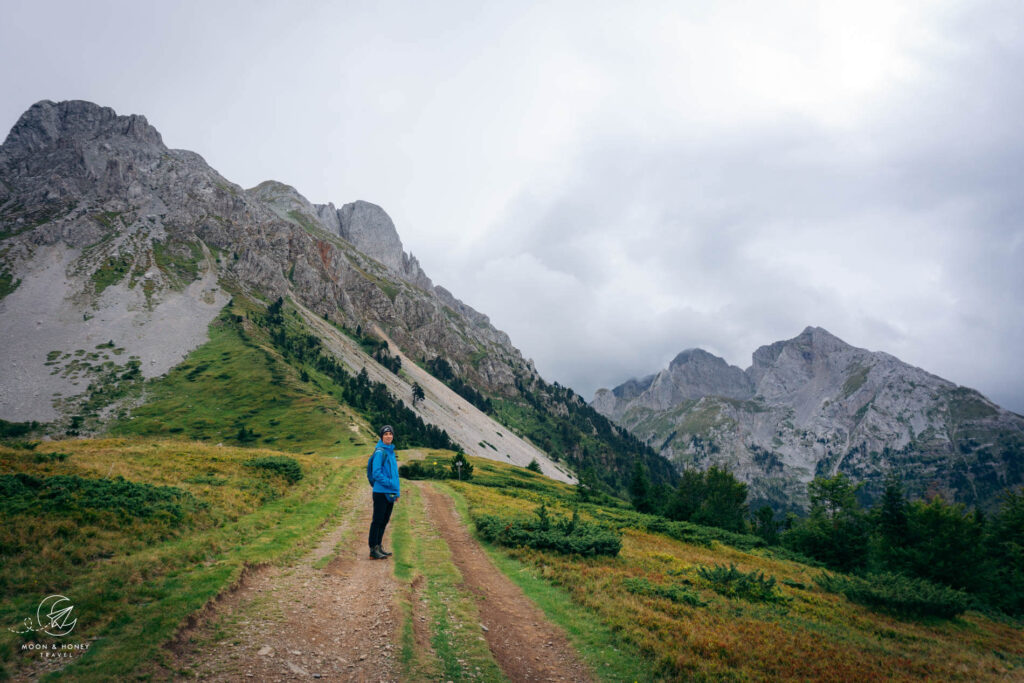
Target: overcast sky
point(613, 183)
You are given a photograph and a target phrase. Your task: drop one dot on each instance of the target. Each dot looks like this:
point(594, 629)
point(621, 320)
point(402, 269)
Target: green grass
point(134, 584)
point(179, 261)
point(7, 283)
point(305, 222)
point(855, 380)
point(112, 271)
point(233, 383)
point(662, 600)
point(967, 404)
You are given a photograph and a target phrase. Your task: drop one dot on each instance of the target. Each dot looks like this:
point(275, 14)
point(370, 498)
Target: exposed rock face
point(814, 405)
point(369, 229)
point(136, 229)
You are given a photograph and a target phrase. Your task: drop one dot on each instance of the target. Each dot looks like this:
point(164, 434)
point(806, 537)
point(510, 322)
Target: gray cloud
point(905, 234)
point(614, 184)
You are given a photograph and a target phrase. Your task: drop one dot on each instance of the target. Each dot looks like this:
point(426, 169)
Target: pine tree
point(640, 488)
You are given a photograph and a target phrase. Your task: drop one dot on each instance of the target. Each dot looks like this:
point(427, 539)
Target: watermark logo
point(53, 617)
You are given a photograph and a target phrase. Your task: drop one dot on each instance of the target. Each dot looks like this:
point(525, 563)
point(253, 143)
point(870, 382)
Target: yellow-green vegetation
point(855, 380)
point(110, 272)
point(434, 591)
point(178, 260)
point(305, 222)
point(704, 610)
point(139, 535)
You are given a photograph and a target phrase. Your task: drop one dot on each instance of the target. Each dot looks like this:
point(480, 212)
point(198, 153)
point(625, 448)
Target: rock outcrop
point(117, 231)
point(815, 405)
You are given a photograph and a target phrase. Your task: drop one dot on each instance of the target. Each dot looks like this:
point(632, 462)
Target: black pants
point(381, 516)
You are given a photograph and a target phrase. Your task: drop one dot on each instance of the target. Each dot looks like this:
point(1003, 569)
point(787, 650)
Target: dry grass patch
point(807, 634)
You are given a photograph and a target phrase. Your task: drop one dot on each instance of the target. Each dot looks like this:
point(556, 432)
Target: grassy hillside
point(701, 609)
point(139, 535)
point(237, 389)
point(241, 455)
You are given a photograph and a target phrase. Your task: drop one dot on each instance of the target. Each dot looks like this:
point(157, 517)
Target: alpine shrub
point(93, 499)
point(674, 592)
point(418, 469)
point(568, 536)
point(898, 594)
point(733, 583)
point(280, 465)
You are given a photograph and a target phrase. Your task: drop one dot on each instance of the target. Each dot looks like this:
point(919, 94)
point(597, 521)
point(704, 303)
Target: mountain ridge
point(816, 405)
point(105, 232)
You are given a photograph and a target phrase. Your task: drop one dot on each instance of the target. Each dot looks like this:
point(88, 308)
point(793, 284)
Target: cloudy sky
point(615, 182)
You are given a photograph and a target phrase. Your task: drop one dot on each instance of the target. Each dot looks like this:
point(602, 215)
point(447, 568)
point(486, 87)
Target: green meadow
point(140, 534)
point(164, 526)
point(243, 455)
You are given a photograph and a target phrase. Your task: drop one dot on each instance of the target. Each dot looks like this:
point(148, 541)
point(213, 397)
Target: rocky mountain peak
point(817, 405)
point(812, 341)
point(370, 229)
point(696, 373)
point(46, 122)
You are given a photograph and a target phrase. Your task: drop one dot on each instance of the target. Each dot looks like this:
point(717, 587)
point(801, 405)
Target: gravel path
point(341, 622)
point(335, 623)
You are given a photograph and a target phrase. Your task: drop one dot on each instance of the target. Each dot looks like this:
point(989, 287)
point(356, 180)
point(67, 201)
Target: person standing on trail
point(383, 473)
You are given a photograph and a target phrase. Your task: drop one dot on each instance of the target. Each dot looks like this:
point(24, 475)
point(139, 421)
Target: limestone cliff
point(815, 405)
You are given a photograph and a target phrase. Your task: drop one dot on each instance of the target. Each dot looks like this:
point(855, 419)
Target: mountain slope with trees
point(117, 253)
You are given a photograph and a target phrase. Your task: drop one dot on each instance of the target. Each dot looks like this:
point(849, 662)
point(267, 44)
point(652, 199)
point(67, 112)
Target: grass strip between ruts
point(458, 651)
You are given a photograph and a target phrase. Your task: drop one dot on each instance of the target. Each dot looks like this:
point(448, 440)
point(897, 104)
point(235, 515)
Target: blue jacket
point(385, 470)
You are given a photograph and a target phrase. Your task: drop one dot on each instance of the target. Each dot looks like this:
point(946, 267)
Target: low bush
point(92, 499)
point(280, 465)
point(54, 456)
point(732, 583)
point(897, 594)
point(567, 536)
point(674, 592)
point(417, 469)
point(687, 532)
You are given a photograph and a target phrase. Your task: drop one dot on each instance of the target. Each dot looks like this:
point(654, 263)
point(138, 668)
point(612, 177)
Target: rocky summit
point(119, 255)
point(116, 253)
point(815, 405)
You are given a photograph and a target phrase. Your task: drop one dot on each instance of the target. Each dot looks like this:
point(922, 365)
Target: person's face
point(388, 438)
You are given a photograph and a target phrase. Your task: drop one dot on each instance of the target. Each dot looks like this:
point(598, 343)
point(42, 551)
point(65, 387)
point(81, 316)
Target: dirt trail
point(525, 644)
point(335, 623)
point(340, 622)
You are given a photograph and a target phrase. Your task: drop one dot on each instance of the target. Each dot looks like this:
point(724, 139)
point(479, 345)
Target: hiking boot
point(376, 554)
point(381, 548)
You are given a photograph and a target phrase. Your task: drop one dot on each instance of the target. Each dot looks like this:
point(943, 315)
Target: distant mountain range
point(117, 253)
point(815, 405)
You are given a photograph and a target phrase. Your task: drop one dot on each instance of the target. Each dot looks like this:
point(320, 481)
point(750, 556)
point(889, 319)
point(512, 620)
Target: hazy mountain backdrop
point(814, 405)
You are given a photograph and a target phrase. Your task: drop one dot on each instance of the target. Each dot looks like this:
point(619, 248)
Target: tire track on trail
point(525, 644)
point(335, 623)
